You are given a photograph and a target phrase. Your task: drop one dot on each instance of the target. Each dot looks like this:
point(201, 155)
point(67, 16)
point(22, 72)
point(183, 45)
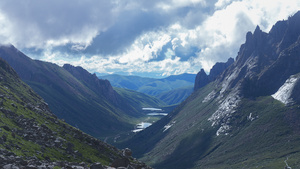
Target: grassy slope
point(81, 107)
point(87, 115)
point(15, 98)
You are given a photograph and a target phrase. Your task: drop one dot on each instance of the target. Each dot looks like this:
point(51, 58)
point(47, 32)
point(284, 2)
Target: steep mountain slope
point(247, 118)
point(75, 95)
point(154, 87)
point(32, 137)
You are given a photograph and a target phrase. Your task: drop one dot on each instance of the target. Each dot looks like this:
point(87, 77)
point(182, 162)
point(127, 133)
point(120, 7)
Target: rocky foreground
point(9, 160)
point(30, 130)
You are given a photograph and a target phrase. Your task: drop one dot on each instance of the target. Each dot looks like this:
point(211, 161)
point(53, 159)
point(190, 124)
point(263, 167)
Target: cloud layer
point(154, 38)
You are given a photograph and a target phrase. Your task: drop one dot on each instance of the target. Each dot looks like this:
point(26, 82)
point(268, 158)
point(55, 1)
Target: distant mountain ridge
point(248, 117)
point(202, 79)
point(156, 87)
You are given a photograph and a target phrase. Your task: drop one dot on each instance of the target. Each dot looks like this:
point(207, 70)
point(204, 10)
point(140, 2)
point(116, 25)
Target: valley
point(182, 89)
point(171, 90)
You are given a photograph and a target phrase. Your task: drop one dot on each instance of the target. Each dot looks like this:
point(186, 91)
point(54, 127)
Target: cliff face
point(203, 79)
point(266, 60)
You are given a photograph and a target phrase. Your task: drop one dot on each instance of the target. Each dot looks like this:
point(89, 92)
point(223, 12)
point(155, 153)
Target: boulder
point(127, 152)
point(123, 162)
point(96, 166)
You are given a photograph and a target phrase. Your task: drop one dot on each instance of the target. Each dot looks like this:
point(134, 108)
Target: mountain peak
point(203, 79)
point(257, 30)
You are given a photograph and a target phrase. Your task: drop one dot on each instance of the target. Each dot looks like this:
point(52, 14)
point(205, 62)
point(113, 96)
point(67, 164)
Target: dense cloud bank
point(154, 38)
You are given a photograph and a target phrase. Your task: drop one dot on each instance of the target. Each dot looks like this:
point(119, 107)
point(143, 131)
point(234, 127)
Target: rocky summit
point(202, 79)
point(32, 137)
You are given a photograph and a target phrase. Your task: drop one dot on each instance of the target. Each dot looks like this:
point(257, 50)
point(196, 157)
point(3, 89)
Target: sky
point(154, 38)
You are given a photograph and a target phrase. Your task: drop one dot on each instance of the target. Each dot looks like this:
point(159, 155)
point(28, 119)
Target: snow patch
point(250, 117)
point(166, 127)
point(285, 91)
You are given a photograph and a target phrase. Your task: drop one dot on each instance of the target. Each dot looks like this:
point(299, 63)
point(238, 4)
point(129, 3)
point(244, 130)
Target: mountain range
point(78, 97)
point(171, 90)
point(245, 117)
point(243, 114)
point(31, 136)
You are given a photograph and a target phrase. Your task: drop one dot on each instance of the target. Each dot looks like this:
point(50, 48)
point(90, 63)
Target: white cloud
point(176, 36)
point(146, 47)
point(174, 4)
point(30, 23)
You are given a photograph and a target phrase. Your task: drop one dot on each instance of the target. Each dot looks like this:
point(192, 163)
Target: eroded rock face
point(219, 68)
point(203, 79)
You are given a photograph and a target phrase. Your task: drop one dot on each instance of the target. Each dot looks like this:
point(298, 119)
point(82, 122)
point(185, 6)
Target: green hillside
point(31, 136)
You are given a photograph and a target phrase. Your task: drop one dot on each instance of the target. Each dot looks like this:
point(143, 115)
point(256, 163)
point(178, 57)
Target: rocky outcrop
point(266, 60)
point(203, 79)
point(9, 160)
point(219, 68)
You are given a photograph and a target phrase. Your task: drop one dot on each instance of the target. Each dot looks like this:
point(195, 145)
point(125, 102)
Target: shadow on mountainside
point(190, 150)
